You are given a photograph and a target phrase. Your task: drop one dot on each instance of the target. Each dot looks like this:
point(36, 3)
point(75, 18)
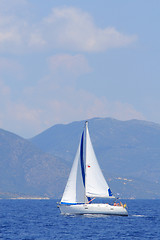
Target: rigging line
point(91, 200)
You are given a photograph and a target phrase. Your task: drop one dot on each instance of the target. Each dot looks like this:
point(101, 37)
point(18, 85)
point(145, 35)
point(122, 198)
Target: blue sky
point(62, 61)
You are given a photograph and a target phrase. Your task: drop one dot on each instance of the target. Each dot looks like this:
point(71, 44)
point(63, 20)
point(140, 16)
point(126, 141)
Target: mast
point(86, 126)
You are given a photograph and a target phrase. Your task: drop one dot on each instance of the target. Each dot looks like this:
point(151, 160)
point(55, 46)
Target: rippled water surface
point(41, 220)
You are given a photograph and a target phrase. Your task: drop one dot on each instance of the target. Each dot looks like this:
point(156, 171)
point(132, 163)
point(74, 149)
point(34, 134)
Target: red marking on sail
point(89, 166)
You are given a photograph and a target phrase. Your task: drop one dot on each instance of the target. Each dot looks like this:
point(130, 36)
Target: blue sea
point(41, 220)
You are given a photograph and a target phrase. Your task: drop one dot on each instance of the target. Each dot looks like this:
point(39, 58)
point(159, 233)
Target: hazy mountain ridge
point(25, 169)
point(126, 149)
point(128, 153)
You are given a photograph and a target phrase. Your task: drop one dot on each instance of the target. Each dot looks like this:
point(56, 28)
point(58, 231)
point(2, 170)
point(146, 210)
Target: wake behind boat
point(85, 183)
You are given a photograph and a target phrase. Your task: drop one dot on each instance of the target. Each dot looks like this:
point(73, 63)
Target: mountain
point(128, 152)
point(27, 171)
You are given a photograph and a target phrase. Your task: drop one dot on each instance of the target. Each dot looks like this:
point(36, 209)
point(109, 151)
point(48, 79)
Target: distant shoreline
point(47, 198)
point(26, 198)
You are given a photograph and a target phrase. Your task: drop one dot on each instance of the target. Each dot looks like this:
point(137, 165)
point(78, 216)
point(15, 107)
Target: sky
point(65, 60)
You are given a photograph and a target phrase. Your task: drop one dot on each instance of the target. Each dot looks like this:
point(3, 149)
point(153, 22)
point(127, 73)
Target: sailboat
point(86, 182)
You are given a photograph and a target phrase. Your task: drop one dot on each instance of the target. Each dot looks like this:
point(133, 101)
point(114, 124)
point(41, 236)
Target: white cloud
point(81, 104)
point(74, 29)
point(32, 107)
point(41, 110)
point(14, 25)
point(11, 34)
point(66, 28)
point(55, 99)
point(72, 64)
point(16, 116)
point(10, 6)
point(36, 40)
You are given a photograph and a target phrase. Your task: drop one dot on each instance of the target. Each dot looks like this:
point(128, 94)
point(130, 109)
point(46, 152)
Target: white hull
point(93, 208)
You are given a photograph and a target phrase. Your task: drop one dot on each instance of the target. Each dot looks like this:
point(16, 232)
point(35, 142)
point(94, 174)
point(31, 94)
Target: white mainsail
point(74, 191)
point(96, 185)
